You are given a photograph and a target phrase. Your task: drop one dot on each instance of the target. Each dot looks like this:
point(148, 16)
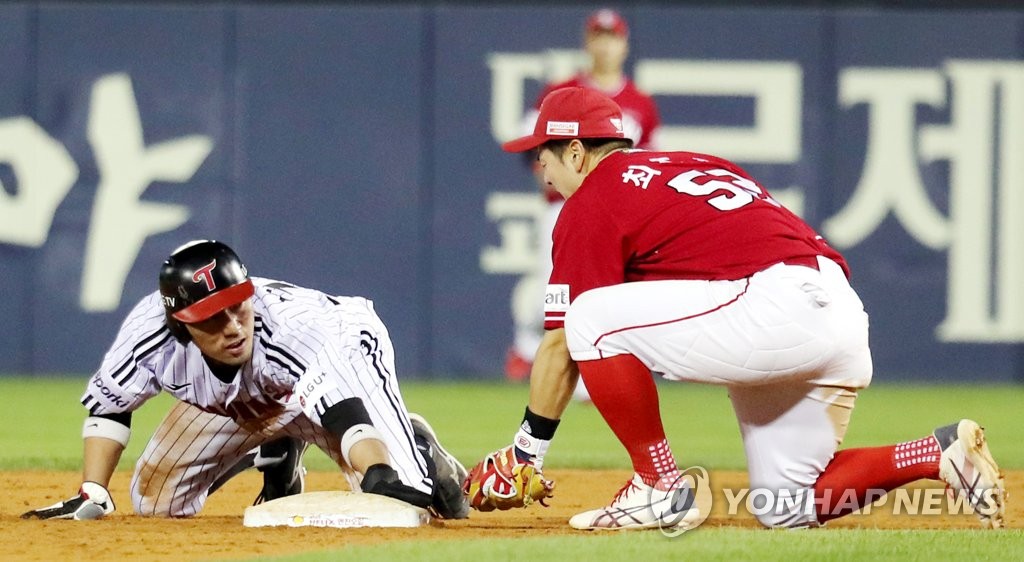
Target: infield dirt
point(217, 533)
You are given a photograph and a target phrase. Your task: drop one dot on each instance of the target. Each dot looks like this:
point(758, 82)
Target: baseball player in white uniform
point(252, 362)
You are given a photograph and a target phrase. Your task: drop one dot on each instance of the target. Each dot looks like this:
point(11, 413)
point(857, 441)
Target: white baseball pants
point(790, 342)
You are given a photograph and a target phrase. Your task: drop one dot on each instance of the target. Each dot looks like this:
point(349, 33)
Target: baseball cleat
point(280, 461)
point(449, 501)
point(967, 467)
point(243, 464)
point(639, 506)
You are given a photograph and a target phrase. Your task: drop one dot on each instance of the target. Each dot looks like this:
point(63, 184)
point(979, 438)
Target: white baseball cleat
point(967, 467)
point(639, 506)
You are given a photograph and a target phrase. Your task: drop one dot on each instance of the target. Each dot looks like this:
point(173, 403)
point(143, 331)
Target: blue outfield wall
point(356, 149)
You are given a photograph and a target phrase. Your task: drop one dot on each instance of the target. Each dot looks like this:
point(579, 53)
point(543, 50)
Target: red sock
point(623, 390)
point(857, 477)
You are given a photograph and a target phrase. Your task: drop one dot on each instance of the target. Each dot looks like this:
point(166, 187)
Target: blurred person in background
point(606, 41)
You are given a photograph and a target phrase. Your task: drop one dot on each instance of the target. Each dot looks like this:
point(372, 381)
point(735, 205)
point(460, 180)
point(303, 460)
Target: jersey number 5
point(741, 190)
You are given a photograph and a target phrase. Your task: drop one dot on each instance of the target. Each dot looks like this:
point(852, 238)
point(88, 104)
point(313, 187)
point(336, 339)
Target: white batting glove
point(92, 502)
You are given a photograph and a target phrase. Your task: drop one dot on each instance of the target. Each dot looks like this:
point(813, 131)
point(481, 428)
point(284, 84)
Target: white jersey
point(296, 329)
point(310, 351)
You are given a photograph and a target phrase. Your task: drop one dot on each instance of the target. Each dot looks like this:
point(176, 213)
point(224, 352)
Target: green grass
point(705, 545)
point(44, 423)
point(700, 423)
point(475, 418)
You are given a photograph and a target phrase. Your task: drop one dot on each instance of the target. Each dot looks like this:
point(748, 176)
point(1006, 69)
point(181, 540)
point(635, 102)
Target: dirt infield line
point(217, 533)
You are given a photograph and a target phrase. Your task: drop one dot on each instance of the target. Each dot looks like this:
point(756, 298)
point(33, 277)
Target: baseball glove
point(501, 481)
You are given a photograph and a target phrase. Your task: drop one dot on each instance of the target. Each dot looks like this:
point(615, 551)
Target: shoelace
point(626, 490)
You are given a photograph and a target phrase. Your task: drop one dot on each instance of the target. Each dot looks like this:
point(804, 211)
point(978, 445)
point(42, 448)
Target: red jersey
point(639, 113)
point(644, 216)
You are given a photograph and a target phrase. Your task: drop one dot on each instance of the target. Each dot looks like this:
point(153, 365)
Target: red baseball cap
point(572, 113)
point(607, 20)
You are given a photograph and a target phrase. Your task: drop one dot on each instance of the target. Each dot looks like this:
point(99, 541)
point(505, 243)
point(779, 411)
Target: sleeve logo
point(556, 298)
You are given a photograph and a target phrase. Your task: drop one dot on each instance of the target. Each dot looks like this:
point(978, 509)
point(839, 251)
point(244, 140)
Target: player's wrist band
point(95, 426)
point(539, 427)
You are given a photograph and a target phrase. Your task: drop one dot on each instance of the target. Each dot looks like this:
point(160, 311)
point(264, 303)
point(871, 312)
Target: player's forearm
point(553, 377)
point(100, 459)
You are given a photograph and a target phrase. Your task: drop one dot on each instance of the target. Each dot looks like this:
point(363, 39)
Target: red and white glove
point(502, 481)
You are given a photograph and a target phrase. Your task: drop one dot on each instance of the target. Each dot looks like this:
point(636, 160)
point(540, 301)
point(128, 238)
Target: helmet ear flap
point(177, 329)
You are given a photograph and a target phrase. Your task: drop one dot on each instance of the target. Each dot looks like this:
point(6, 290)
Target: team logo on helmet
point(205, 274)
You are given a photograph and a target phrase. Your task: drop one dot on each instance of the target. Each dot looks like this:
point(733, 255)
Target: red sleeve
point(585, 238)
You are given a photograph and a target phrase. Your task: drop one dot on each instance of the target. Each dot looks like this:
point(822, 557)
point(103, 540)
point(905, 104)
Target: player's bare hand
point(502, 481)
point(92, 502)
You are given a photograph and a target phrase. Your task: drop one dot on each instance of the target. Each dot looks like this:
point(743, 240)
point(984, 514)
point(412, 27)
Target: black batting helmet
point(200, 279)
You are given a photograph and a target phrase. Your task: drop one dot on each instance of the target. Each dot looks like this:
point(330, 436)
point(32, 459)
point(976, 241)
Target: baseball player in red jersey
point(682, 265)
point(606, 41)
point(252, 361)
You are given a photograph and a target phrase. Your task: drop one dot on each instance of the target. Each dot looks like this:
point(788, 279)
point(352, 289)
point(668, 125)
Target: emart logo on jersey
point(556, 298)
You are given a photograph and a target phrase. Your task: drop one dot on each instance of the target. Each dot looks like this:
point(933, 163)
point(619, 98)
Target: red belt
point(806, 261)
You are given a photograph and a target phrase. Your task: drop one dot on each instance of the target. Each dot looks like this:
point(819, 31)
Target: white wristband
point(535, 448)
point(355, 434)
point(95, 426)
